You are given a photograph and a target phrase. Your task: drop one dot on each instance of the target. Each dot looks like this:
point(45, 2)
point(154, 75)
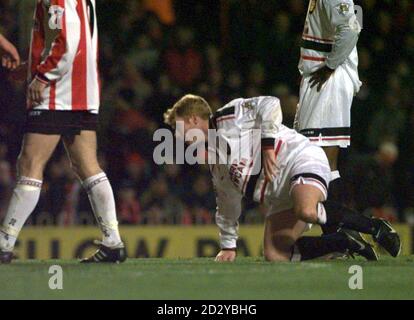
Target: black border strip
point(316, 46)
point(225, 112)
point(326, 132)
point(309, 175)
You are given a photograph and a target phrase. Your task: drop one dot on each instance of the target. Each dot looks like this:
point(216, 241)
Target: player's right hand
point(319, 77)
point(35, 92)
point(226, 256)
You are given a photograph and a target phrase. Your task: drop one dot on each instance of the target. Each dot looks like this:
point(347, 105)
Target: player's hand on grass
point(10, 57)
point(269, 164)
point(35, 92)
point(226, 256)
point(319, 77)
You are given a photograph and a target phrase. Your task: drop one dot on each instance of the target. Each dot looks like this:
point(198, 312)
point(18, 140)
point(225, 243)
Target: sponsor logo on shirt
point(343, 8)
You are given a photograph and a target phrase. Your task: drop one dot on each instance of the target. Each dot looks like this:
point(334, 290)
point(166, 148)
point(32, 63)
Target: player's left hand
point(269, 164)
point(226, 256)
point(35, 92)
point(319, 77)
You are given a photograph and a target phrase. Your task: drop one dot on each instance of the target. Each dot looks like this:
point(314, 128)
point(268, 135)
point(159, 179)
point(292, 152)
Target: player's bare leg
point(35, 153)
point(283, 240)
point(306, 199)
point(382, 231)
point(283, 230)
point(332, 153)
point(309, 207)
point(82, 151)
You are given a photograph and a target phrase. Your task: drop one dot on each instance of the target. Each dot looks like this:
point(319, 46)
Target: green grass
point(248, 278)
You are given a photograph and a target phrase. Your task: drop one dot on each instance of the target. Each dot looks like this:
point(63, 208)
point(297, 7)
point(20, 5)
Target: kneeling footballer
point(281, 170)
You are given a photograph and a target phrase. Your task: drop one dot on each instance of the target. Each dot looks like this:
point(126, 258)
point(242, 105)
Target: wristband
point(42, 78)
point(268, 143)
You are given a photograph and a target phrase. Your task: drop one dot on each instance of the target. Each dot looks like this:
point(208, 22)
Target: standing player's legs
point(336, 191)
point(325, 118)
point(35, 153)
point(332, 153)
point(82, 150)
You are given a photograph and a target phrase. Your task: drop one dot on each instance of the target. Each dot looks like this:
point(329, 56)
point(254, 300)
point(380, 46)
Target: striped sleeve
point(38, 39)
point(341, 14)
point(64, 21)
point(228, 212)
point(270, 115)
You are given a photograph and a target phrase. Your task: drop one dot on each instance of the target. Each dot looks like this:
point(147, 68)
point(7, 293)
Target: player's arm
point(63, 20)
point(227, 219)
point(269, 113)
point(10, 56)
point(341, 14)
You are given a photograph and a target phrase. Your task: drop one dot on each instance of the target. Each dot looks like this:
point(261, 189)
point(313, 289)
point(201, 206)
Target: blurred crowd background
point(154, 51)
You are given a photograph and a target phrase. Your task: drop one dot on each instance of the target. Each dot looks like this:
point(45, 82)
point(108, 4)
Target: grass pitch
point(248, 278)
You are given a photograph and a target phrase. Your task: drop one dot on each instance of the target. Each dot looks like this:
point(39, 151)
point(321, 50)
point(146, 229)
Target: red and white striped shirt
point(64, 53)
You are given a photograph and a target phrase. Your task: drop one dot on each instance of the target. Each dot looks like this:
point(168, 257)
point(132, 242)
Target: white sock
point(296, 256)
point(335, 175)
point(321, 214)
point(24, 200)
point(102, 201)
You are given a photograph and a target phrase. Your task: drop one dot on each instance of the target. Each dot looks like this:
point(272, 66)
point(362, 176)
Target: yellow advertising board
point(150, 241)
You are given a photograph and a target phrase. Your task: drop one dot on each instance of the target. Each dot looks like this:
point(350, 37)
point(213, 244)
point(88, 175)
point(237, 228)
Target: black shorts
point(64, 123)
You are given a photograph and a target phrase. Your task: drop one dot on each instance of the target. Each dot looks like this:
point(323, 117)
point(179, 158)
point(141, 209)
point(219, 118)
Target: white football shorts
point(325, 117)
point(310, 167)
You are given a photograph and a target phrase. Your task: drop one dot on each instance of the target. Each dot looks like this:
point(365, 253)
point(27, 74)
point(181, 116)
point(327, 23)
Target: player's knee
point(30, 165)
point(75, 166)
point(279, 249)
point(84, 171)
point(270, 255)
point(306, 214)
point(275, 256)
point(83, 168)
